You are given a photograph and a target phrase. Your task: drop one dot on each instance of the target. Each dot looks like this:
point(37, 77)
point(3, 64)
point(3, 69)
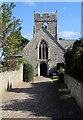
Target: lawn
point(55, 79)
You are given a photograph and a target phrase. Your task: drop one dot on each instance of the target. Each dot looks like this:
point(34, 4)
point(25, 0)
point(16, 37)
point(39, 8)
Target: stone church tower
point(44, 51)
point(49, 22)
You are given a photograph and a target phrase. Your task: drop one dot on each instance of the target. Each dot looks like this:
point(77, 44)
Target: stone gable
point(44, 51)
point(55, 53)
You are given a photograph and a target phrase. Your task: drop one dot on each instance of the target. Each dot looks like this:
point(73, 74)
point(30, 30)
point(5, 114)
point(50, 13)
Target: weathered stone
point(49, 35)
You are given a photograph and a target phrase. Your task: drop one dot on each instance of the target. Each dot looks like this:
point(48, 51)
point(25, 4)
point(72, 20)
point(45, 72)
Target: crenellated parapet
point(46, 20)
point(45, 17)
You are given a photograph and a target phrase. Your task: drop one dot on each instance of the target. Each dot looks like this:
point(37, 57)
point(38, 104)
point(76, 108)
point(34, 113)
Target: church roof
point(63, 44)
point(66, 43)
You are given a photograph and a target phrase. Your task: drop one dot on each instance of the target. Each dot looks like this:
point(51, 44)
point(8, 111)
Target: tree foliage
point(11, 37)
point(74, 60)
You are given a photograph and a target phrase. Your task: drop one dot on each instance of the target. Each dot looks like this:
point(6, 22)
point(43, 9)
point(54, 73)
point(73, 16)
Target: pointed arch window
point(43, 50)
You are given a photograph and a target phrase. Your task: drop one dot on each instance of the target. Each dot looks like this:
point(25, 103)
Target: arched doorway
point(43, 69)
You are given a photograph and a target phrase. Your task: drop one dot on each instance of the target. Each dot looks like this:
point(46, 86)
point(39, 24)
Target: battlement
point(46, 20)
point(45, 16)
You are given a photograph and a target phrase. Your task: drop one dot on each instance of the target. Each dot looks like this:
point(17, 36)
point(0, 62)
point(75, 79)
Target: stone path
point(42, 98)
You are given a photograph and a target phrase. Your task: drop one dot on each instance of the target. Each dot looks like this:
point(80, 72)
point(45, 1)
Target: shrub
point(5, 66)
point(61, 73)
point(28, 70)
point(74, 60)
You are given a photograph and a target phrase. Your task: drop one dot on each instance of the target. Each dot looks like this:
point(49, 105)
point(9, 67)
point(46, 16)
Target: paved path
point(42, 98)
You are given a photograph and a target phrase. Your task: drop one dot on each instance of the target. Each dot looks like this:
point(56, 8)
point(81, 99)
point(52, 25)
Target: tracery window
point(43, 50)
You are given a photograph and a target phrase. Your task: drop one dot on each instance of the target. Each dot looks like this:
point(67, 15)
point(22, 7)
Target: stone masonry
point(45, 28)
point(50, 20)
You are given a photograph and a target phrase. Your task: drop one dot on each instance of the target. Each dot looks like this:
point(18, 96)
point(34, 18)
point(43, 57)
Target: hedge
point(28, 70)
point(74, 60)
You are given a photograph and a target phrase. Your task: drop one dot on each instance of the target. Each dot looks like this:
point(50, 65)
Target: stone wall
point(11, 79)
point(76, 89)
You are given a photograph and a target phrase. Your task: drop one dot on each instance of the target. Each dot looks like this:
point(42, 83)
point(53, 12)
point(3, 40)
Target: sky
point(69, 17)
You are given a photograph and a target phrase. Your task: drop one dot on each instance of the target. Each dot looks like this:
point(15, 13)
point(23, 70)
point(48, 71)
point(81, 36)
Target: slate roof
point(66, 43)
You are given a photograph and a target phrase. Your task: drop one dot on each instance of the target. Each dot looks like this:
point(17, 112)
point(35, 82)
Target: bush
point(7, 66)
point(28, 70)
point(61, 73)
point(74, 60)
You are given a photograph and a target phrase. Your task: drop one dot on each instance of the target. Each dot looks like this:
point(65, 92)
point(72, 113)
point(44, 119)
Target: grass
point(56, 79)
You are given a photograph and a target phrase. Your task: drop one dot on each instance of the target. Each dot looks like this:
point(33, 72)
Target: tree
point(10, 31)
point(74, 60)
point(60, 38)
point(23, 42)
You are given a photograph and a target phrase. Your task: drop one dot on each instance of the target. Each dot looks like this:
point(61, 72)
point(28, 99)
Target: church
point(45, 50)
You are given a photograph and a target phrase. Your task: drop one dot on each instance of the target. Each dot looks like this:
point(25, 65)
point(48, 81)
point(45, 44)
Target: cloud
point(31, 4)
point(28, 35)
point(68, 33)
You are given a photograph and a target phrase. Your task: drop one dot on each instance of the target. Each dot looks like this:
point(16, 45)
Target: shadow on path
point(45, 99)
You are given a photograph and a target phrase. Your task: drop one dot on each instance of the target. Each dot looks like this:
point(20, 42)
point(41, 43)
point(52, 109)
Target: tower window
point(45, 25)
point(43, 50)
